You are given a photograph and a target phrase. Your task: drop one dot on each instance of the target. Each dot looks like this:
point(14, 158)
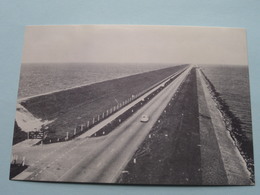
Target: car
point(144, 118)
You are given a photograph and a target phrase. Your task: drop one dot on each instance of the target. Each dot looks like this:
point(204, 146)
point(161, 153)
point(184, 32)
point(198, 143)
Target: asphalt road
point(98, 159)
point(116, 150)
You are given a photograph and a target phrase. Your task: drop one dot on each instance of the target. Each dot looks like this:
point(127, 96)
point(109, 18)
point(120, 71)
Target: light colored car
point(144, 118)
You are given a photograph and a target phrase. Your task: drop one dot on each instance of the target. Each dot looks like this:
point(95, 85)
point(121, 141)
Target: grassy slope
point(171, 155)
point(76, 106)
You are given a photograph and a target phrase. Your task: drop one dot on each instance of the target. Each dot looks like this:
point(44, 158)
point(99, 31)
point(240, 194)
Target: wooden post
point(75, 131)
point(93, 120)
point(23, 163)
point(81, 127)
point(88, 124)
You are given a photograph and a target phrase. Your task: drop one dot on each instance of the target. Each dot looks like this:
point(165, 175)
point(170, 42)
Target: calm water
point(37, 79)
point(232, 82)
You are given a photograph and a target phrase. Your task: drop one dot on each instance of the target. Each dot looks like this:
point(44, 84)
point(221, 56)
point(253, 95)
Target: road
point(98, 159)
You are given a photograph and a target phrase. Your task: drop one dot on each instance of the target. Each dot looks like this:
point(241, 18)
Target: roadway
point(98, 159)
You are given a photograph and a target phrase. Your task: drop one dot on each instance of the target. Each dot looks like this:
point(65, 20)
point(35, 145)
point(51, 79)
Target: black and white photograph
point(135, 105)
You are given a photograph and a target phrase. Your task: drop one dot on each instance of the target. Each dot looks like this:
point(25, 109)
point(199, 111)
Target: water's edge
point(233, 125)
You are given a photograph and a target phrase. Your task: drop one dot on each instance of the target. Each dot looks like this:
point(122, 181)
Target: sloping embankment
point(78, 105)
point(233, 125)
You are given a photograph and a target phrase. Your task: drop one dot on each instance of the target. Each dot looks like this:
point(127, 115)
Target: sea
point(40, 78)
point(232, 82)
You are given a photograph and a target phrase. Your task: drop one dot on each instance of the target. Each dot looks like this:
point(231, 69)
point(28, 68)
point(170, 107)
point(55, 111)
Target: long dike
point(198, 148)
point(235, 166)
point(77, 110)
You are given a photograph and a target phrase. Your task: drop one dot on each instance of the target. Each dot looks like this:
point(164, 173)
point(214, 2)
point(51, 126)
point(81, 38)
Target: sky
point(134, 44)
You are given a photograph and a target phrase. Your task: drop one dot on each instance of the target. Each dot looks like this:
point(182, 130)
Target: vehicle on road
point(144, 118)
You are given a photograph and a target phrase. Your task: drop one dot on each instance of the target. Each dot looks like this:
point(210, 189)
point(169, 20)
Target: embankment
point(72, 107)
point(233, 125)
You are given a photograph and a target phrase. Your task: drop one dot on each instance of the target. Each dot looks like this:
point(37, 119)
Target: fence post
point(88, 124)
point(93, 120)
point(98, 118)
point(75, 131)
point(23, 163)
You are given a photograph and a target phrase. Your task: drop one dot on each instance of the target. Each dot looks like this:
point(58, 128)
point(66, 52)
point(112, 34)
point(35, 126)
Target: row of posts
point(102, 116)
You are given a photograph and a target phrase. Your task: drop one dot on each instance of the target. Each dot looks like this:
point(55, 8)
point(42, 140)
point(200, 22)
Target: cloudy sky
point(134, 44)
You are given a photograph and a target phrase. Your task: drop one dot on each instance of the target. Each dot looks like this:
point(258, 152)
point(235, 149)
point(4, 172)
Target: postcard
point(134, 104)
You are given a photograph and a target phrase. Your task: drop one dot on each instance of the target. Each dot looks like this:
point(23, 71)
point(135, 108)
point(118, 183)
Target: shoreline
point(233, 126)
point(19, 100)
